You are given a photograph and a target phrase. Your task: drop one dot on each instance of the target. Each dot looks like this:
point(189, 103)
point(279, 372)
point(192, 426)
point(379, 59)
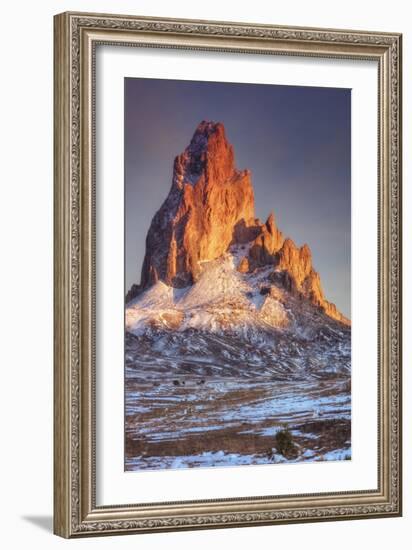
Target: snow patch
point(221, 300)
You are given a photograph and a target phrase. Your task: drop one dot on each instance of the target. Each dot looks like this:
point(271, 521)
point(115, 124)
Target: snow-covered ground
point(231, 422)
point(215, 370)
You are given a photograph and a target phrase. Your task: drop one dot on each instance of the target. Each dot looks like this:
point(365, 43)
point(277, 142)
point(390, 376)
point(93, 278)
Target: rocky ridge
point(210, 212)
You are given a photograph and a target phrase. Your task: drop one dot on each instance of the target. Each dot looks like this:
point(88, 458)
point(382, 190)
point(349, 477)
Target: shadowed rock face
point(210, 207)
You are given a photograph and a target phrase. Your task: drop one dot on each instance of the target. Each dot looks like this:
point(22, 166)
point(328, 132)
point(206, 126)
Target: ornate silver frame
point(75, 38)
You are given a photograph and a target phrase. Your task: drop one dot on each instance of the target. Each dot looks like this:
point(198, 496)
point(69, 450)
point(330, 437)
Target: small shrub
point(284, 444)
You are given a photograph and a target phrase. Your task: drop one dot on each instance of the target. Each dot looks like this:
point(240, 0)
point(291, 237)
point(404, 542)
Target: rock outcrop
point(209, 208)
point(208, 198)
point(295, 264)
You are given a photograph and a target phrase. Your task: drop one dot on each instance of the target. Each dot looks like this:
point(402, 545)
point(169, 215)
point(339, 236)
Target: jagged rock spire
point(210, 207)
point(207, 199)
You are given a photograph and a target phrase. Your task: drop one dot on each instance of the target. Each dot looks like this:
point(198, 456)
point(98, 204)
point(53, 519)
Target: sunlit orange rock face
point(210, 207)
point(297, 262)
point(208, 198)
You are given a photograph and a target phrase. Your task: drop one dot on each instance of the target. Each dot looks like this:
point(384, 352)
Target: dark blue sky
point(295, 140)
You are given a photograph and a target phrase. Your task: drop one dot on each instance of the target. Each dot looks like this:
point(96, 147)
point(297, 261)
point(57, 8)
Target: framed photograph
point(227, 274)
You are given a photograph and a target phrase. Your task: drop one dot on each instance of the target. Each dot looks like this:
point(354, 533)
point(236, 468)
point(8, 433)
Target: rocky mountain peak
point(208, 198)
point(208, 154)
point(210, 208)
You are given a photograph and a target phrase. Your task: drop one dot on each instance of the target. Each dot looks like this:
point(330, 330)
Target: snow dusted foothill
point(262, 324)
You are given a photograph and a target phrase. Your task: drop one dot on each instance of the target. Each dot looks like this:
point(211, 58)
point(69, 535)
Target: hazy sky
point(295, 140)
